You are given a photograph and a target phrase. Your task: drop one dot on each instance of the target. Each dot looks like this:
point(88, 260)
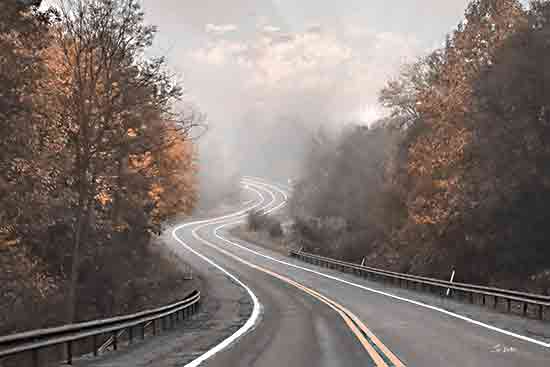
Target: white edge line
point(253, 319)
point(417, 303)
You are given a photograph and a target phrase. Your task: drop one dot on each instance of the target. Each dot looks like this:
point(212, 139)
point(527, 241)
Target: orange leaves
point(140, 162)
point(104, 198)
point(177, 176)
point(440, 152)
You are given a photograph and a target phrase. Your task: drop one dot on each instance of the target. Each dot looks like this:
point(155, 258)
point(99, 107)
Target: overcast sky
point(309, 57)
point(321, 62)
point(319, 59)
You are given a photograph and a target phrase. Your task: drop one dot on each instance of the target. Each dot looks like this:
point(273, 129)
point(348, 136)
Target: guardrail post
point(143, 331)
point(94, 345)
point(131, 334)
point(155, 327)
point(115, 340)
point(69, 352)
point(468, 293)
point(35, 360)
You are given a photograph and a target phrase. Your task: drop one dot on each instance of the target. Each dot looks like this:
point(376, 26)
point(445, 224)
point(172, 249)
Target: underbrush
point(260, 221)
point(114, 280)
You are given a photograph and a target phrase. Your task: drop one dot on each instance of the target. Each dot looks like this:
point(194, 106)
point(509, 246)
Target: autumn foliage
point(463, 179)
point(94, 157)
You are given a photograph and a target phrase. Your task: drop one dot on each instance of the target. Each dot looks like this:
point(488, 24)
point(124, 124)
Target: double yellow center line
point(379, 353)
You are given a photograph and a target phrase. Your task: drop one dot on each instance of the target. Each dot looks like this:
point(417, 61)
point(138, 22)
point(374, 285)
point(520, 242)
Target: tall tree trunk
point(83, 212)
point(118, 193)
point(83, 220)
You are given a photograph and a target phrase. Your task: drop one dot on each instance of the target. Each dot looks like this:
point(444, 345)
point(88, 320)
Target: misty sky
point(257, 66)
point(252, 64)
point(317, 59)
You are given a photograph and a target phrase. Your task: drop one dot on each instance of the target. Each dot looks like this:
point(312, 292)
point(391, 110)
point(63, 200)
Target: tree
point(114, 94)
point(23, 176)
point(401, 95)
point(511, 129)
point(96, 154)
point(439, 154)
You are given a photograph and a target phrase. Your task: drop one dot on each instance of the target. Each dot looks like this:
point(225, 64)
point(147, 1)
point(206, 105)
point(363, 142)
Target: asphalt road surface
point(303, 315)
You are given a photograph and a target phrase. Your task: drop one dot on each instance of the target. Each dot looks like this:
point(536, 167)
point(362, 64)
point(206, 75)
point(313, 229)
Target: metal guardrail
point(474, 293)
point(36, 340)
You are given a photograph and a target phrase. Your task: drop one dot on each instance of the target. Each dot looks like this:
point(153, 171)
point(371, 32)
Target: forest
point(457, 175)
point(96, 154)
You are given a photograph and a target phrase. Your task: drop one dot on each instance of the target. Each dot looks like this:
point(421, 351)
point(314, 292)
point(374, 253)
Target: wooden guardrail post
point(94, 345)
point(35, 359)
point(69, 352)
point(115, 340)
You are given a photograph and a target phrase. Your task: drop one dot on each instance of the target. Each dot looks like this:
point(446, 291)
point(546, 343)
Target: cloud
point(220, 29)
point(319, 74)
point(357, 31)
point(304, 60)
point(218, 53)
point(316, 28)
point(271, 29)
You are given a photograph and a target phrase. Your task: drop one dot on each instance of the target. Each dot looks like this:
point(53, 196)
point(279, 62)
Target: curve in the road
point(256, 304)
point(403, 299)
point(378, 352)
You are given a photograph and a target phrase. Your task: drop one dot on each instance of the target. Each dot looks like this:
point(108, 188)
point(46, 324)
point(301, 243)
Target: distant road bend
point(304, 315)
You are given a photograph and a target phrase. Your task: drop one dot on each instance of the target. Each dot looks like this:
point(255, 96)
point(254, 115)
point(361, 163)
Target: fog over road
point(298, 314)
point(298, 326)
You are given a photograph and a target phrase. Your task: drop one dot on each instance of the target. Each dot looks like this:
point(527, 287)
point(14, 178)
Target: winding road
point(303, 315)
